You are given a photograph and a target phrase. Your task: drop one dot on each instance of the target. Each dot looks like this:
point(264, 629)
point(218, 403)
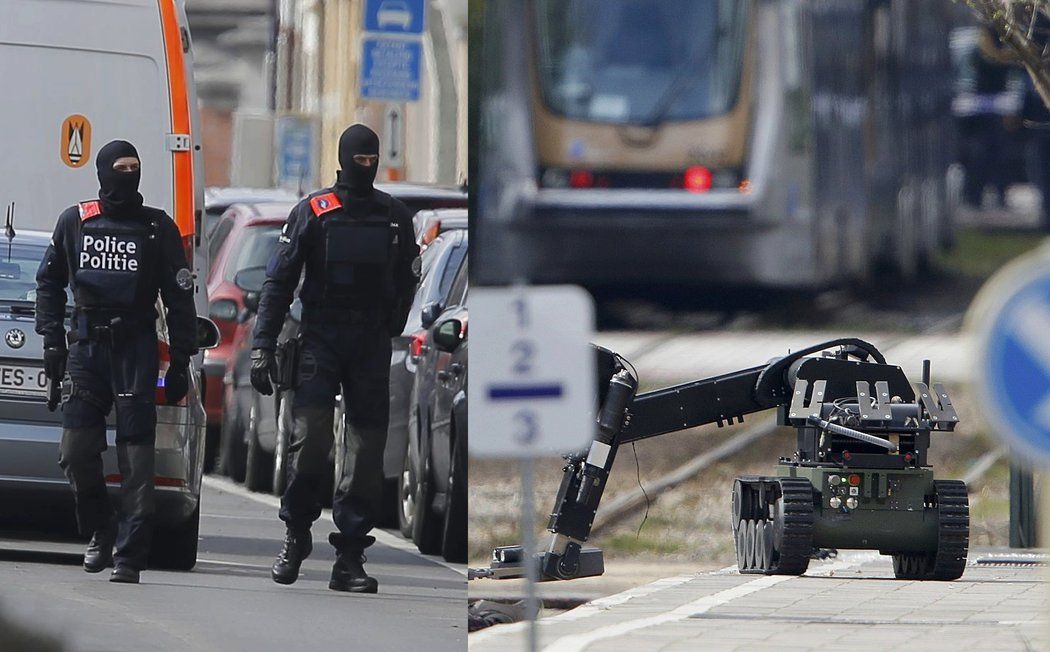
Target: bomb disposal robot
point(859, 477)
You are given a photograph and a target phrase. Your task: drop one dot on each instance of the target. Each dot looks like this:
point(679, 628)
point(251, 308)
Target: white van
point(77, 74)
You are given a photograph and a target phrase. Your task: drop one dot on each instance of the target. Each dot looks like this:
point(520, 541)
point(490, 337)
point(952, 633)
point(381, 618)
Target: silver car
point(29, 433)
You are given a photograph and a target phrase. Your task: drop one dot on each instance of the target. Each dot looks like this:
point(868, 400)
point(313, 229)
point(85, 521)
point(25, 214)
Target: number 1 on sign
point(522, 312)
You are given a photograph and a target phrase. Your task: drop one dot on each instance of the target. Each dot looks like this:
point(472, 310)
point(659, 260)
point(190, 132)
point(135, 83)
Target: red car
point(245, 236)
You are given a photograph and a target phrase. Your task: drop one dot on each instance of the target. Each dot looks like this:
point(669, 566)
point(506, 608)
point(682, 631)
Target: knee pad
point(85, 408)
point(136, 419)
point(312, 439)
point(81, 446)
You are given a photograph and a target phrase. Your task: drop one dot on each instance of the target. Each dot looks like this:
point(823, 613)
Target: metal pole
point(1022, 507)
point(529, 553)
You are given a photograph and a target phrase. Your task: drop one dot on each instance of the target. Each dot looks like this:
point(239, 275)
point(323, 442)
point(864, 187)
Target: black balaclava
point(357, 179)
point(119, 191)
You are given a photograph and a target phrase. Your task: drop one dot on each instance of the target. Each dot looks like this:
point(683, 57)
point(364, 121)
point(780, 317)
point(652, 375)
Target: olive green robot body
point(858, 479)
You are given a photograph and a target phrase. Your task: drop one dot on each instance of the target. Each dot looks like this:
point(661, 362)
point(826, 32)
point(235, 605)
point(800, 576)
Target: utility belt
point(107, 327)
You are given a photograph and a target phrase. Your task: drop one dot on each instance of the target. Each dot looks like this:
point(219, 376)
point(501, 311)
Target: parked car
point(218, 200)
point(249, 236)
point(435, 460)
point(30, 434)
point(430, 224)
point(264, 423)
point(440, 265)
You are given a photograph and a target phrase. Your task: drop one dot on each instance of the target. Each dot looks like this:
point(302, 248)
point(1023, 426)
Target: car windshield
point(639, 61)
point(18, 271)
point(254, 250)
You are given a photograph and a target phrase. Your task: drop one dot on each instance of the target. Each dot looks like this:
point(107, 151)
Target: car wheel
point(454, 539)
point(232, 440)
point(258, 471)
point(280, 449)
point(176, 549)
point(406, 493)
point(426, 530)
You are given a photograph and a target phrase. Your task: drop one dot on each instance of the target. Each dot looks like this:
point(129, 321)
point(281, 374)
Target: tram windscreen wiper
point(685, 78)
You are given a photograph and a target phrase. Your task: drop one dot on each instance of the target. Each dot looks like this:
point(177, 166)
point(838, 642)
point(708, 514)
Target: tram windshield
point(639, 61)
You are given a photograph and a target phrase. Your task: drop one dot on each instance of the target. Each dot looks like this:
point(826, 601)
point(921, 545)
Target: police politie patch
point(109, 253)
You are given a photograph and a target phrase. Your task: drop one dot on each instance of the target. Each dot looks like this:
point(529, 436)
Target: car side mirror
point(429, 314)
point(448, 335)
point(250, 279)
point(207, 333)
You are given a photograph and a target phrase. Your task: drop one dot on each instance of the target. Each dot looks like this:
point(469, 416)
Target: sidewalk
point(850, 603)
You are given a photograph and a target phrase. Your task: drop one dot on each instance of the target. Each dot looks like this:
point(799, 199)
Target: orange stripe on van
point(182, 162)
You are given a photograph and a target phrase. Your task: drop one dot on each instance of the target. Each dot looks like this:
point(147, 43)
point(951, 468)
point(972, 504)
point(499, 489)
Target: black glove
point(55, 362)
point(177, 380)
point(264, 370)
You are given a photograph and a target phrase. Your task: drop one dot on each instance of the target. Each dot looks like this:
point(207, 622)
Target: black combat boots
point(349, 574)
point(99, 553)
point(297, 546)
point(124, 574)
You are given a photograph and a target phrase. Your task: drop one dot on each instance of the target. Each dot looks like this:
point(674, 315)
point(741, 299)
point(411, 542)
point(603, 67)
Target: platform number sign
point(532, 371)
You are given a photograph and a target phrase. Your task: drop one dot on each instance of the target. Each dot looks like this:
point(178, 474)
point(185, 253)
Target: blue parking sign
point(395, 16)
point(1014, 360)
point(390, 69)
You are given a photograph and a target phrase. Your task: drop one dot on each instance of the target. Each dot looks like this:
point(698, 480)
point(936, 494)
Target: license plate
point(16, 380)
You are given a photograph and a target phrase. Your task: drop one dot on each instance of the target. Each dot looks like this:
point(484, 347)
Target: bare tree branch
point(1028, 45)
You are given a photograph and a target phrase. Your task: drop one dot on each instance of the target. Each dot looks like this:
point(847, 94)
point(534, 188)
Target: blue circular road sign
point(1013, 370)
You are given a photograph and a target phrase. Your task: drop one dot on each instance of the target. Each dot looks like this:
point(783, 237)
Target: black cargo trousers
point(351, 353)
point(113, 368)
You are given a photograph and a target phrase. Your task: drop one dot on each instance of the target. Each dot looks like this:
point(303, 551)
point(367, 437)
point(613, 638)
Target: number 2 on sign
point(523, 351)
point(527, 429)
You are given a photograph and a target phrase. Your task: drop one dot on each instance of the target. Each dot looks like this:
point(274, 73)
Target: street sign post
point(1012, 316)
point(1014, 356)
point(390, 69)
point(532, 372)
point(532, 387)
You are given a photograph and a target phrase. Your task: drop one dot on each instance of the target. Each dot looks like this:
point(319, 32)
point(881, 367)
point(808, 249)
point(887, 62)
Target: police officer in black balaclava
point(357, 245)
point(116, 255)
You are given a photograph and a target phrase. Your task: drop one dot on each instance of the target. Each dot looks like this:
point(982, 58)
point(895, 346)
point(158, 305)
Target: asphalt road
point(228, 602)
point(851, 604)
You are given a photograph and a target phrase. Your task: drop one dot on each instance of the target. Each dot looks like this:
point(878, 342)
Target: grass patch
point(978, 254)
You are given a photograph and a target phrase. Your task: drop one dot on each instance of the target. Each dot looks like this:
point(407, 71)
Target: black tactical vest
point(114, 261)
point(359, 253)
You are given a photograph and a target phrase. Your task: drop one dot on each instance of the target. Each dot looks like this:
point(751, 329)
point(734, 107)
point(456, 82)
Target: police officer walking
point(357, 245)
point(116, 255)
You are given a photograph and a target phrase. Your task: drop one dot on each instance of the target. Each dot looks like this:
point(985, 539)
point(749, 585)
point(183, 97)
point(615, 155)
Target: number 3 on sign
point(526, 430)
